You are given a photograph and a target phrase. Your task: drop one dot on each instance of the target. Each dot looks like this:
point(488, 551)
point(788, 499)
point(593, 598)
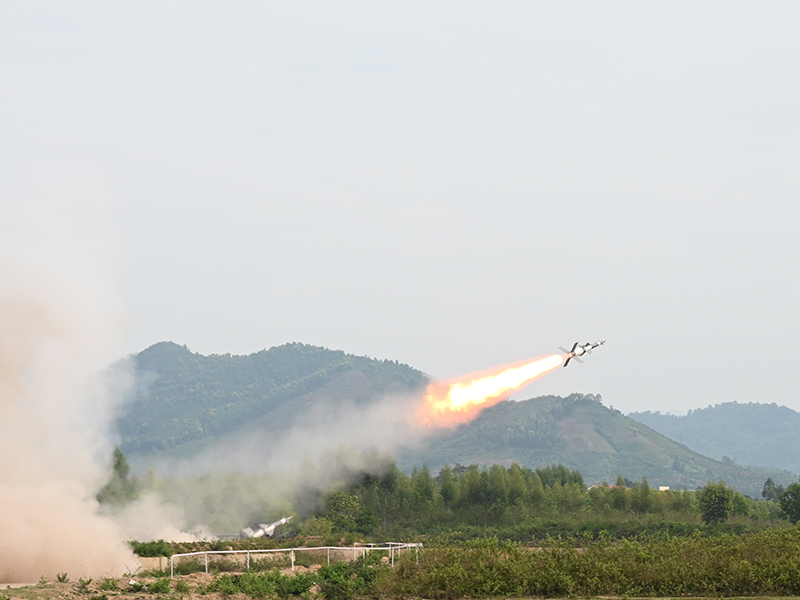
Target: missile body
point(579, 350)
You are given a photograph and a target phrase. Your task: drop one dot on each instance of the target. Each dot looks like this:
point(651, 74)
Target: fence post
point(329, 555)
point(171, 568)
point(248, 560)
point(205, 555)
point(416, 550)
point(391, 551)
point(292, 555)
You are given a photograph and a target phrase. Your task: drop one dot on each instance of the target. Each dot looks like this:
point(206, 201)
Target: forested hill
point(750, 434)
point(183, 397)
point(581, 433)
point(186, 400)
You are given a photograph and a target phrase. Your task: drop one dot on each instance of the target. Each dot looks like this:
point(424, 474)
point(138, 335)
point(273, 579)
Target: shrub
point(109, 584)
point(160, 586)
point(270, 562)
point(318, 526)
point(344, 581)
point(303, 559)
point(62, 578)
point(259, 585)
point(83, 584)
point(181, 587)
point(188, 566)
point(219, 564)
point(150, 549)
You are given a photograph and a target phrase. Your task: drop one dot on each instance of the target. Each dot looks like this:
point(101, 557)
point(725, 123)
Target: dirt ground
point(126, 588)
point(93, 591)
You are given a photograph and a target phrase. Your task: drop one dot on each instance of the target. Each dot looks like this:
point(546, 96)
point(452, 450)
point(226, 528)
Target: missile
point(579, 350)
point(263, 529)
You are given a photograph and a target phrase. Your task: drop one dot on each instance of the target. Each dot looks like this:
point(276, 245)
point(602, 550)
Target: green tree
point(558, 472)
point(620, 496)
point(741, 505)
point(448, 486)
point(121, 467)
point(119, 489)
point(771, 491)
point(424, 487)
point(536, 491)
point(642, 497)
point(344, 511)
point(516, 484)
point(715, 502)
point(790, 502)
point(498, 485)
point(472, 488)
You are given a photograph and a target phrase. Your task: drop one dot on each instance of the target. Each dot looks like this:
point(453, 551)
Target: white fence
point(393, 548)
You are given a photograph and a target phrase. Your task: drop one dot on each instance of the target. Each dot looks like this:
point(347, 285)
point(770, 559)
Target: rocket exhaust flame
point(447, 404)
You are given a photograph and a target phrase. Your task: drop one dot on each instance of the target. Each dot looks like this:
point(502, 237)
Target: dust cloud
point(59, 323)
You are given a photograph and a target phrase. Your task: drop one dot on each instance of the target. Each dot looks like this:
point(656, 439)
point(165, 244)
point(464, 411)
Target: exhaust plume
point(58, 327)
point(460, 400)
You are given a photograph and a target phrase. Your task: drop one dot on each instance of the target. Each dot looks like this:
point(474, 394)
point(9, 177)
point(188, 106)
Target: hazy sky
point(455, 185)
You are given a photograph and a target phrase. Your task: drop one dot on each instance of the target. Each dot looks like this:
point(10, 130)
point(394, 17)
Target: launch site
point(402, 300)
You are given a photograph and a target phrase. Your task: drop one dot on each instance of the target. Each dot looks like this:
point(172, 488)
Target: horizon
point(510, 398)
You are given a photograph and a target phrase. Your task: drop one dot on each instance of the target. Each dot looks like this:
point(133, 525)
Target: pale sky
point(454, 185)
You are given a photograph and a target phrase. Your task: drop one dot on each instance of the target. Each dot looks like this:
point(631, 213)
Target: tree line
point(516, 502)
point(512, 502)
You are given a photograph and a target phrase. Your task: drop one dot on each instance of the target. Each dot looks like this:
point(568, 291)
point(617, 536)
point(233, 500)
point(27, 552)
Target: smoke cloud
point(257, 476)
point(59, 324)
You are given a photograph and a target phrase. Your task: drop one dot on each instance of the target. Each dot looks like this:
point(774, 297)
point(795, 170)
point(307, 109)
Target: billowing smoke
point(59, 322)
point(255, 476)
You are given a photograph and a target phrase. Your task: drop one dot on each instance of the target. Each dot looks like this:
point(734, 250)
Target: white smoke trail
point(59, 322)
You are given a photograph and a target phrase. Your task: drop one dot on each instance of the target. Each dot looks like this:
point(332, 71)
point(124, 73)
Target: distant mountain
point(184, 399)
point(581, 433)
point(765, 435)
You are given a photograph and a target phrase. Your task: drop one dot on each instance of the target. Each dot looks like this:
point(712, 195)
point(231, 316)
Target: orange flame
point(451, 403)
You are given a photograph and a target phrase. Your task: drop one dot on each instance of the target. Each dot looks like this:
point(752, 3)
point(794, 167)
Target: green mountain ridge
point(183, 398)
point(185, 401)
point(581, 433)
point(751, 433)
